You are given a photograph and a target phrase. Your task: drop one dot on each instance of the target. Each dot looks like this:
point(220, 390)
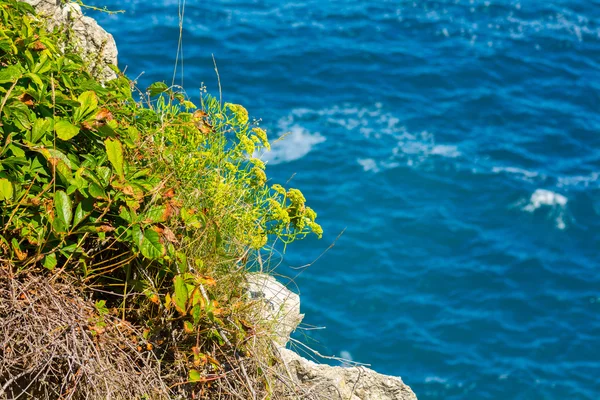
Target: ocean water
point(457, 145)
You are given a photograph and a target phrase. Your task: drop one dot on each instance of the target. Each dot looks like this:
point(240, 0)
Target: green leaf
point(83, 210)
point(96, 191)
point(150, 246)
point(64, 212)
point(44, 65)
point(156, 214)
point(182, 262)
point(50, 154)
point(64, 171)
point(50, 261)
point(11, 73)
point(194, 376)
point(125, 214)
point(65, 130)
point(21, 115)
point(17, 151)
point(101, 308)
point(35, 78)
point(39, 129)
point(104, 174)
point(188, 327)
point(196, 313)
point(114, 150)
point(89, 104)
point(180, 296)
point(6, 190)
point(157, 88)
point(137, 236)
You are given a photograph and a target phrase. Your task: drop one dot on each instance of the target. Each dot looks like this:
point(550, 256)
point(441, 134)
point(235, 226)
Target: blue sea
point(456, 143)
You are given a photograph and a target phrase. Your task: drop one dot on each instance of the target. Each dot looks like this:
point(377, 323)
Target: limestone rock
point(319, 381)
point(281, 306)
point(97, 46)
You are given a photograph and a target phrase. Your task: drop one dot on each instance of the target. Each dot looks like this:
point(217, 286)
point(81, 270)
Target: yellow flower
point(239, 112)
point(279, 189)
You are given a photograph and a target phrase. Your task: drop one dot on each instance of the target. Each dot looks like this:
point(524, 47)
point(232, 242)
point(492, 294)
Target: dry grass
point(52, 347)
point(48, 348)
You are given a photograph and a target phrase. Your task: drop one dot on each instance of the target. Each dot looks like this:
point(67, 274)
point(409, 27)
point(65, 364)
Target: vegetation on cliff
point(126, 229)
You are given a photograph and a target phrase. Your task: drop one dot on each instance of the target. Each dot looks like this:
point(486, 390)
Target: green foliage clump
point(156, 203)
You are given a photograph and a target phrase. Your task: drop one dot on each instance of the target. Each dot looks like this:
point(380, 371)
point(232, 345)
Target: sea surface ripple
point(456, 141)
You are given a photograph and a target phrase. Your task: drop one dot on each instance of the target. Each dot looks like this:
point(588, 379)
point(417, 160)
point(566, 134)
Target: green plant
point(159, 203)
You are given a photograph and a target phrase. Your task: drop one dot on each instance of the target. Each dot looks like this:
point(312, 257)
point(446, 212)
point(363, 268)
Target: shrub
point(155, 208)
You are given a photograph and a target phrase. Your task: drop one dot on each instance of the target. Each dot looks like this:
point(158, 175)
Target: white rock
point(281, 306)
point(320, 381)
point(97, 46)
point(317, 381)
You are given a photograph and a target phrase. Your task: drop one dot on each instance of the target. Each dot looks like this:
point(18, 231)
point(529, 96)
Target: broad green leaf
point(194, 376)
point(64, 211)
point(50, 261)
point(50, 154)
point(133, 133)
point(114, 150)
point(17, 151)
point(79, 181)
point(180, 297)
point(44, 65)
point(125, 214)
point(156, 214)
point(6, 189)
point(137, 235)
point(182, 262)
point(69, 250)
point(157, 88)
point(35, 78)
point(96, 191)
point(104, 174)
point(83, 210)
point(151, 247)
point(64, 171)
point(11, 73)
point(195, 296)
point(89, 104)
point(39, 129)
point(65, 130)
point(196, 313)
point(21, 115)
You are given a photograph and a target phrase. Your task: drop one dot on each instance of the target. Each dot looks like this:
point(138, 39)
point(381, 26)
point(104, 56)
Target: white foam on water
point(546, 198)
point(445, 150)
point(381, 127)
point(584, 181)
point(520, 173)
point(418, 148)
point(435, 379)
point(296, 143)
point(543, 197)
point(368, 164)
